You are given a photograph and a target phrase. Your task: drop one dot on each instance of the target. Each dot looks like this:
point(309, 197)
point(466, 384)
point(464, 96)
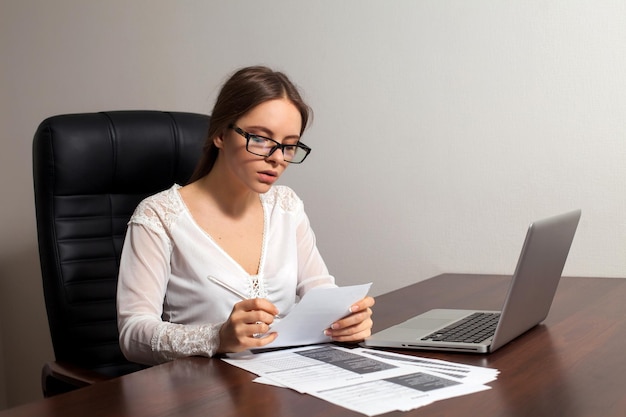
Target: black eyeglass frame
point(277, 145)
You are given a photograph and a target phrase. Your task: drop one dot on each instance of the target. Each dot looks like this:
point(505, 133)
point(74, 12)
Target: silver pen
point(227, 287)
point(235, 292)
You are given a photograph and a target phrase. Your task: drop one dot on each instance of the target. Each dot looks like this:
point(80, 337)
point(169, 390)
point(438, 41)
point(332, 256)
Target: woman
point(228, 228)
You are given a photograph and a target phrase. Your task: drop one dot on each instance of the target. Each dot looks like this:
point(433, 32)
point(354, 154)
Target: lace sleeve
point(171, 341)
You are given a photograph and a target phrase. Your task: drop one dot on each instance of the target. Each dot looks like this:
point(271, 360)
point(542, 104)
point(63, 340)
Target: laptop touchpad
point(425, 323)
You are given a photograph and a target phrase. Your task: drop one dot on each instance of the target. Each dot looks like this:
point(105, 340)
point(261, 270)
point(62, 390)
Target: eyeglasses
point(262, 146)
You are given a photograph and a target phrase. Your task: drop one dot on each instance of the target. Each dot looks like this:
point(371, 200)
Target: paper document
point(318, 309)
point(465, 373)
point(312, 368)
point(366, 381)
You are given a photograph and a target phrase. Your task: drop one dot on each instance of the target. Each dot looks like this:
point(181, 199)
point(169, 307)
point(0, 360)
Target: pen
point(227, 287)
point(235, 292)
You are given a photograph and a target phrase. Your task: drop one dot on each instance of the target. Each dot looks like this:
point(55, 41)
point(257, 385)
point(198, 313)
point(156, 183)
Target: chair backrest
point(90, 172)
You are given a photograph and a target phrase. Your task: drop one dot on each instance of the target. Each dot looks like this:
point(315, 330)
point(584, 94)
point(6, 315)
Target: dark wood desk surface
point(574, 364)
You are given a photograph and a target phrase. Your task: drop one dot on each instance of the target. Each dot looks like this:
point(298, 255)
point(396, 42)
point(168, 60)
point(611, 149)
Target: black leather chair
point(90, 172)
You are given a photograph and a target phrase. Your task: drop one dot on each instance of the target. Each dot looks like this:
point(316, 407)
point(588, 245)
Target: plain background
point(442, 128)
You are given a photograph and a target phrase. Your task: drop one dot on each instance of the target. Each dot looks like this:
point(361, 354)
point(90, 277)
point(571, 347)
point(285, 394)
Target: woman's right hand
point(248, 319)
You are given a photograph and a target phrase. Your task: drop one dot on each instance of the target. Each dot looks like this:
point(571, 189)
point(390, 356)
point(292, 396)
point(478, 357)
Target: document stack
point(366, 381)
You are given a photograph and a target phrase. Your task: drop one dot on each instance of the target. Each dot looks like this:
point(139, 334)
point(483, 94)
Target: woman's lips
point(268, 177)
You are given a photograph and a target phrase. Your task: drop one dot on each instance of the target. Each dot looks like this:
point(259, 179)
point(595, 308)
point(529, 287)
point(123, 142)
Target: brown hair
point(244, 90)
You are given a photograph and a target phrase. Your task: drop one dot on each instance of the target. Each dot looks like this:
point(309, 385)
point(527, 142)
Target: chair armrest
point(68, 374)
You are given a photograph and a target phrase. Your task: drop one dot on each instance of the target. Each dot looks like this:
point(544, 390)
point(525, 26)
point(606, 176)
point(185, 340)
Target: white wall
point(442, 128)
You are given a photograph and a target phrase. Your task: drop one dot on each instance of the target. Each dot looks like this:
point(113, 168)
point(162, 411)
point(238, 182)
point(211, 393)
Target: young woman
point(230, 227)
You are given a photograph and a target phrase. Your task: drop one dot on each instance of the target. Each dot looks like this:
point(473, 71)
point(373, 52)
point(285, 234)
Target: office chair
point(90, 171)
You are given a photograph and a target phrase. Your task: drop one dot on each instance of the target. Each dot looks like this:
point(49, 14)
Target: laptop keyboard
point(474, 328)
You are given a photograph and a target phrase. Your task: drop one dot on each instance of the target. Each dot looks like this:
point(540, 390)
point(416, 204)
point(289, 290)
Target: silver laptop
point(527, 303)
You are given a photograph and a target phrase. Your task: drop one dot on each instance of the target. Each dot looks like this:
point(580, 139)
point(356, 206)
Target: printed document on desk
point(312, 368)
point(318, 309)
point(358, 380)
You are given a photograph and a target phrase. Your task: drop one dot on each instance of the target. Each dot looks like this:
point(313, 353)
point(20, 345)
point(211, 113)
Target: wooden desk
point(572, 365)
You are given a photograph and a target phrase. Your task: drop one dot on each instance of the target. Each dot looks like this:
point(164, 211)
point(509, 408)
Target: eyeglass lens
point(265, 147)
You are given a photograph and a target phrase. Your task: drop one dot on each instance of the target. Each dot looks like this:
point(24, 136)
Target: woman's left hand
point(356, 326)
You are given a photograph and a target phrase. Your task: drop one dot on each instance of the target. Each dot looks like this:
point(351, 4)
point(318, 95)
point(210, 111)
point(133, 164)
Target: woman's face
point(276, 119)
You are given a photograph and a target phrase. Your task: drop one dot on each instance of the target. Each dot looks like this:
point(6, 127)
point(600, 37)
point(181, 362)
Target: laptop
point(527, 303)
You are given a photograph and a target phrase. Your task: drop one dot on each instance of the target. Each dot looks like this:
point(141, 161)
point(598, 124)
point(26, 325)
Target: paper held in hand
point(318, 309)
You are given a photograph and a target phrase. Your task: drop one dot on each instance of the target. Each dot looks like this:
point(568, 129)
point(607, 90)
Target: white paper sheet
point(318, 367)
point(465, 373)
point(318, 309)
point(360, 381)
point(402, 393)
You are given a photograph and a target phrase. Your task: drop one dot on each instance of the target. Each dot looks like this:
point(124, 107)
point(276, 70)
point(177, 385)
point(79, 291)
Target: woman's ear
point(218, 141)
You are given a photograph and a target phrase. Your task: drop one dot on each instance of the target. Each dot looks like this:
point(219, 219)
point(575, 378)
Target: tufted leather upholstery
point(90, 172)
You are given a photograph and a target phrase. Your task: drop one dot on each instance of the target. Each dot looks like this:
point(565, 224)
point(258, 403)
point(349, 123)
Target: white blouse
point(167, 308)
